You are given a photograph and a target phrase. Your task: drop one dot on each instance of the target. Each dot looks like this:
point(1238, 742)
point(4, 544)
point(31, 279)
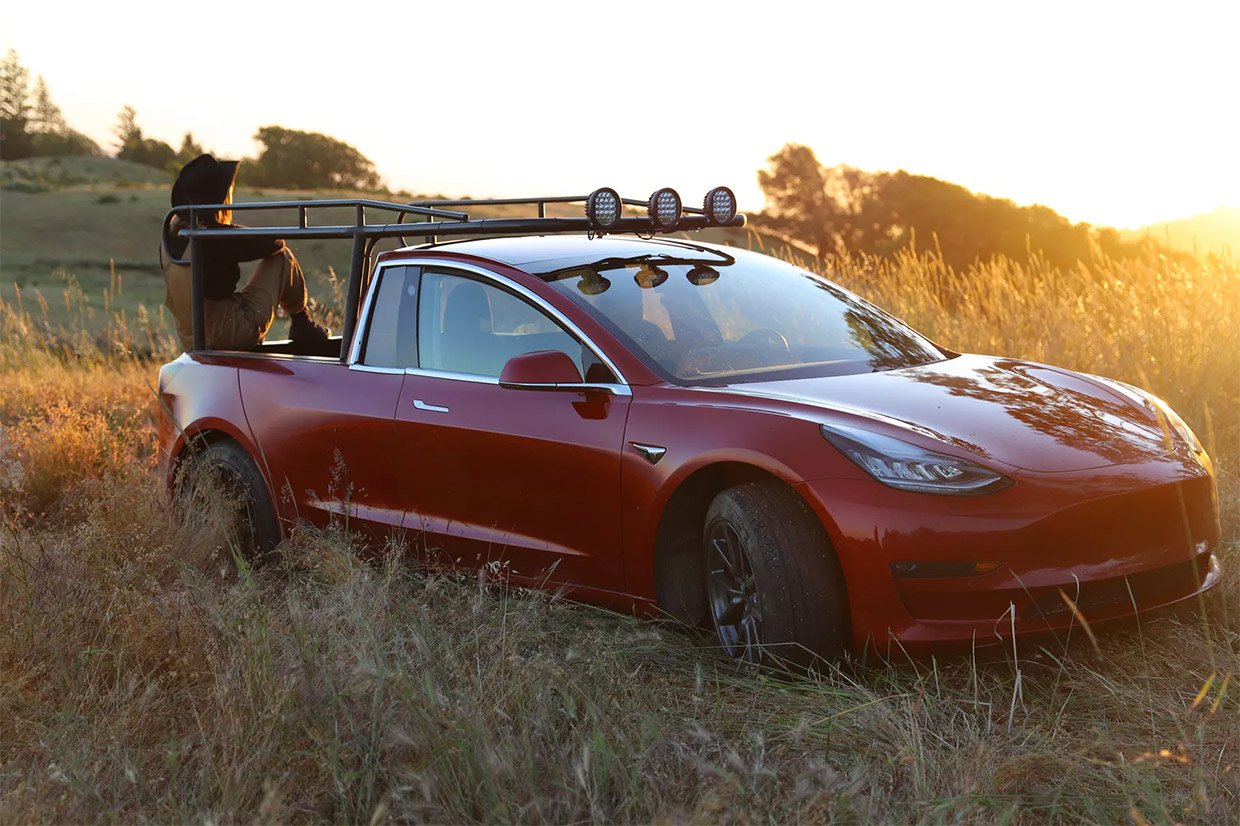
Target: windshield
point(739, 316)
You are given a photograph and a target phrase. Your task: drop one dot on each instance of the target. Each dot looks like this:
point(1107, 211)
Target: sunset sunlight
point(656, 412)
point(1111, 113)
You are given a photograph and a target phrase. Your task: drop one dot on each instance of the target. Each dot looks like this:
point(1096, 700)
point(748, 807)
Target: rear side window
point(392, 334)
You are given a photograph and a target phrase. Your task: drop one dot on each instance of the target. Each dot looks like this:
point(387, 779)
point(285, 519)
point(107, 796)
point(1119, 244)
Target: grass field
point(141, 679)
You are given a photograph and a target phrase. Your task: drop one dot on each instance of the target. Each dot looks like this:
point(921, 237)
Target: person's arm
point(246, 249)
point(174, 243)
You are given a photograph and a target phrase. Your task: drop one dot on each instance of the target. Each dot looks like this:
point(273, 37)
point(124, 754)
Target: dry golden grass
point(142, 679)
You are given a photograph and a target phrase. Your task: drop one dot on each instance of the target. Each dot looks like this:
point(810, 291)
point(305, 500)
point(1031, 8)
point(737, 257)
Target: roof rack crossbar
point(483, 226)
point(553, 199)
point(541, 203)
point(414, 208)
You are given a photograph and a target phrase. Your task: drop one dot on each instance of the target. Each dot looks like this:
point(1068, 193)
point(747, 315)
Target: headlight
point(899, 464)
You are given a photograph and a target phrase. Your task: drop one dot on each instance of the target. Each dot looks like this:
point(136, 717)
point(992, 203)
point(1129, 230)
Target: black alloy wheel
point(732, 593)
point(773, 585)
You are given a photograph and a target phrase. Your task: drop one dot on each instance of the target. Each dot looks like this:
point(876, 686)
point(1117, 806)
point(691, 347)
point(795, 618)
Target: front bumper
point(1104, 546)
point(1053, 612)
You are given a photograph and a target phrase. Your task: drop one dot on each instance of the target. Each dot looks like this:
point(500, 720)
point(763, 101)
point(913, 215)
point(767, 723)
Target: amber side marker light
point(942, 570)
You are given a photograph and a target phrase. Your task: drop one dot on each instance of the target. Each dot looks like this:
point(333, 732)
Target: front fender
point(698, 434)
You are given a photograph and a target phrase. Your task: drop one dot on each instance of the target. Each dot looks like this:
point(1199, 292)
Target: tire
point(774, 590)
point(223, 473)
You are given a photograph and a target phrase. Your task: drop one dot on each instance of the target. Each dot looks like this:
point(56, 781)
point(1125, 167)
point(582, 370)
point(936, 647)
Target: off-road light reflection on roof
point(702, 275)
point(649, 276)
point(592, 283)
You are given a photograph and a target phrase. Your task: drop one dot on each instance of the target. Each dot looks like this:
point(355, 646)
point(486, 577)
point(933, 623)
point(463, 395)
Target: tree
point(46, 117)
point(796, 195)
point(133, 146)
point(128, 133)
point(49, 134)
point(14, 88)
point(308, 160)
point(841, 209)
point(14, 107)
point(189, 150)
point(816, 204)
point(33, 124)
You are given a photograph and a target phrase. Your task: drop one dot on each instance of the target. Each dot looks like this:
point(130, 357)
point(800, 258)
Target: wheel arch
point(678, 574)
point(264, 529)
point(200, 435)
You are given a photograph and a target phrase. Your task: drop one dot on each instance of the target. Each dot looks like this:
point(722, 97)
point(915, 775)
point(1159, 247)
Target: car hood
point(1026, 415)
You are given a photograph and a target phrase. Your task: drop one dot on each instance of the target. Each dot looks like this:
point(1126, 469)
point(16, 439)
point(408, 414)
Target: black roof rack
point(438, 220)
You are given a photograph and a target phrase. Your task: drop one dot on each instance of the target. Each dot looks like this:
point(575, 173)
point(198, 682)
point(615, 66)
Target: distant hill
point(43, 174)
point(1209, 232)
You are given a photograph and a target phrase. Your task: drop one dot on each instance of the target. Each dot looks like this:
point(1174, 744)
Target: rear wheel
point(222, 480)
point(774, 588)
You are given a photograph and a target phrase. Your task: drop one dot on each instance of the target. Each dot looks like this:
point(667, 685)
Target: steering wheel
point(772, 337)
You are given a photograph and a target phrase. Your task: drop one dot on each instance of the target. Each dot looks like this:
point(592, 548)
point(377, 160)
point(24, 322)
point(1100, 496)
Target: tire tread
point(801, 588)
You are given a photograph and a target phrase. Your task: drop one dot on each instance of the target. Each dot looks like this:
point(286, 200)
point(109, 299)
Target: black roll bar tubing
point(453, 223)
point(193, 210)
point(482, 226)
point(357, 266)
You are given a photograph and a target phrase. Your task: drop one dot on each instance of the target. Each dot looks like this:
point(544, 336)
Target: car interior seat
point(466, 346)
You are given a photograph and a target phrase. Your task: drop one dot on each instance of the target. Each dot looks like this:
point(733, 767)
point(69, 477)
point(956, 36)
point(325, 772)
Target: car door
point(526, 482)
point(326, 429)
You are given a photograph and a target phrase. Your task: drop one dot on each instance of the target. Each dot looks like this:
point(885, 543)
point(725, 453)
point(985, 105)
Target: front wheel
point(773, 584)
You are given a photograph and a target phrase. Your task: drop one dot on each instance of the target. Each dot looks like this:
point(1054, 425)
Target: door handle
point(434, 408)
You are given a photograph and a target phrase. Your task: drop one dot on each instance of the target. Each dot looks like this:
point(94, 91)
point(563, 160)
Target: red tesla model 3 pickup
point(661, 425)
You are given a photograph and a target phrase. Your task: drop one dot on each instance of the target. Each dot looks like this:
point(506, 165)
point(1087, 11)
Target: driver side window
point(468, 326)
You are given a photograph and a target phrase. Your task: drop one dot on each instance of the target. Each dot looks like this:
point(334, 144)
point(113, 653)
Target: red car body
point(1106, 509)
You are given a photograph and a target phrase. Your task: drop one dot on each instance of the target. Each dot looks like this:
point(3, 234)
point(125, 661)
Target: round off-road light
point(664, 208)
point(603, 207)
point(701, 275)
point(649, 276)
point(720, 205)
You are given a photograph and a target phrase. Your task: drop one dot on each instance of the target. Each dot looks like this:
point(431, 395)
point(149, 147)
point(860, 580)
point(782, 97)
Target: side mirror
point(541, 370)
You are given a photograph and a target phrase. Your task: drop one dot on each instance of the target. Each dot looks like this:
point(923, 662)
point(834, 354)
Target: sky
point(1122, 114)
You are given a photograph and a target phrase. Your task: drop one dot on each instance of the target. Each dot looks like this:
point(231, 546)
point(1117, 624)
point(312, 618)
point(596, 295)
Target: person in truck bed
point(235, 320)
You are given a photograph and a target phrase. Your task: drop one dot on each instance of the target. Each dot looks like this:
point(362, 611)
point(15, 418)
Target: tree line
point(841, 209)
point(31, 125)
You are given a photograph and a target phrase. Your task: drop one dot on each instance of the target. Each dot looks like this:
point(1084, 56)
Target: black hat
point(204, 180)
